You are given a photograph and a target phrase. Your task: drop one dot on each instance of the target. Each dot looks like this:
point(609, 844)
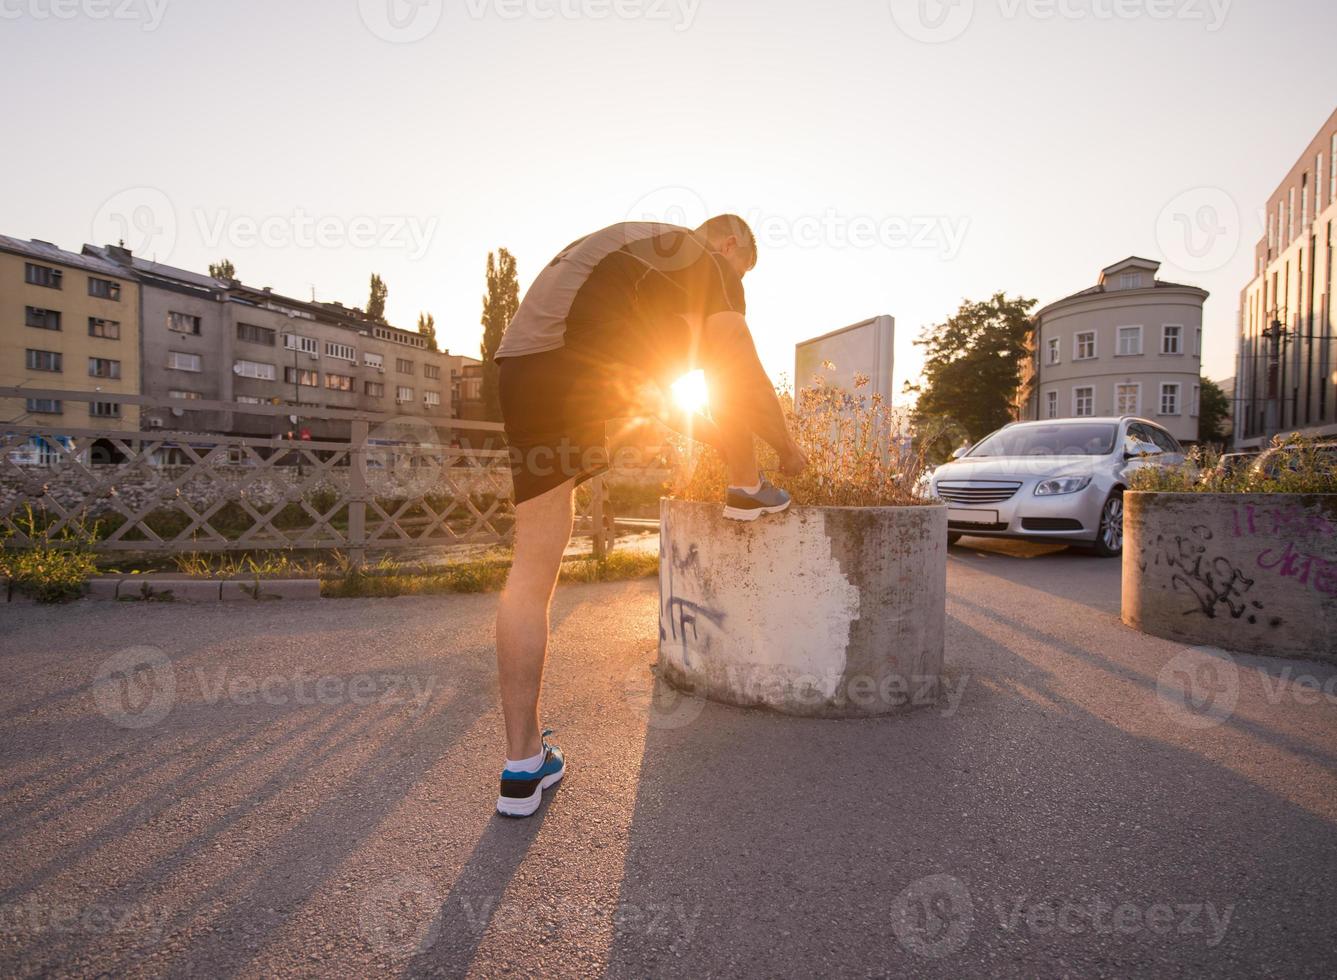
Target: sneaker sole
point(511, 806)
point(739, 514)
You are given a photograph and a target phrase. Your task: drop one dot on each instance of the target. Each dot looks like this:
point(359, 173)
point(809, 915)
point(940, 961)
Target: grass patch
point(484, 576)
point(54, 567)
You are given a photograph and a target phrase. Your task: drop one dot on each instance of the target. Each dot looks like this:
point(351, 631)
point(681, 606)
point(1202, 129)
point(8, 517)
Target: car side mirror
point(960, 451)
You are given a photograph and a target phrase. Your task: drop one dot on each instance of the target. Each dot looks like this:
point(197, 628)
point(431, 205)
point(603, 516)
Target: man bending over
point(602, 334)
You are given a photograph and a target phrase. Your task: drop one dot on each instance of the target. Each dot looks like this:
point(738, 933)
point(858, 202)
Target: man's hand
point(792, 461)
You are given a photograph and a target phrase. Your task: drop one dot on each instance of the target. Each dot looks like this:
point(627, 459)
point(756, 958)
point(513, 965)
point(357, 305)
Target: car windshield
point(1083, 439)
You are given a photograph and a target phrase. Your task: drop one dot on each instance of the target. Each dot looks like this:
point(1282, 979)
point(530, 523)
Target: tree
point(973, 367)
point(376, 301)
point(1213, 410)
point(499, 305)
point(223, 270)
point(427, 327)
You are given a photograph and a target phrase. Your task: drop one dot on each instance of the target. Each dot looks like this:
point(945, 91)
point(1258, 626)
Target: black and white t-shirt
point(623, 295)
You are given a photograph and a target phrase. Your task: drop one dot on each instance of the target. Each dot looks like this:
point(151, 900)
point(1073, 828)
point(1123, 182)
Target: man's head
point(730, 236)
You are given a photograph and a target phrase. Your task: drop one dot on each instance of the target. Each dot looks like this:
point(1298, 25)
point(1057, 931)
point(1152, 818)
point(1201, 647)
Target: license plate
point(960, 516)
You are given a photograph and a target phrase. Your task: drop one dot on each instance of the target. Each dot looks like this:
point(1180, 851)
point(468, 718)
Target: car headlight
point(1067, 484)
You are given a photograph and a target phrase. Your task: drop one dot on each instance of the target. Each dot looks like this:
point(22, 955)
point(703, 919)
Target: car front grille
point(1050, 524)
point(977, 494)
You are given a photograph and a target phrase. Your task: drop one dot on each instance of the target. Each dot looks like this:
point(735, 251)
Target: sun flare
point(689, 392)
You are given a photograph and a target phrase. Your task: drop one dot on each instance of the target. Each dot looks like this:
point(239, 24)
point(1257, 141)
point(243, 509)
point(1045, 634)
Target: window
point(372, 360)
point(1083, 401)
point(1084, 345)
point(1054, 353)
point(106, 329)
point(301, 376)
point(342, 351)
point(1170, 398)
point(432, 398)
point(1127, 398)
point(1164, 440)
point(41, 319)
point(101, 367)
point(250, 399)
point(252, 334)
point(1172, 339)
point(1197, 341)
point(1290, 217)
point(42, 360)
point(104, 410)
point(1051, 404)
point(179, 361)
point(1332, 171)
point(254, 369)
point(182, 394)
point(104, 289)
point(403, 365)
point(1197, 397)
point(183, 323)
point(42, 275)
point(1304, 201)
point(403, 394)
point(1130, 341)
point(1130, 280)
point(373, 389)
point(307, 345)
point(338, 382)
point(432, 371)
point(44, 406)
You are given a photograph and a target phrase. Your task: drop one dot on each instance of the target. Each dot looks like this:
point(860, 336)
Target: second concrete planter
point(821, 611)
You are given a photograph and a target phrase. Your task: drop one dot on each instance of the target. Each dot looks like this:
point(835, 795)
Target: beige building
point(1286, 377)
point(67, 322)
point(1129, 345)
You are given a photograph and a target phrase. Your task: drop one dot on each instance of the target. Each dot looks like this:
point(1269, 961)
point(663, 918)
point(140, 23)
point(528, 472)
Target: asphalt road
point(306, 789)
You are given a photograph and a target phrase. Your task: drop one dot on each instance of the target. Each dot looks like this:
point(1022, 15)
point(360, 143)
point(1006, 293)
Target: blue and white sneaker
point(522, 792)
point(739, 505)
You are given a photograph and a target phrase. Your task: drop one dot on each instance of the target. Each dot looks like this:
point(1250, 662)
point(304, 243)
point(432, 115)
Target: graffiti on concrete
point(1291, 521)
point(1308, 571)
point(679, 615)
point(1214, 582)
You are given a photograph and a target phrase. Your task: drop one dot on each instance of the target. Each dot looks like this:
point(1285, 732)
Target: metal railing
point(370, 483)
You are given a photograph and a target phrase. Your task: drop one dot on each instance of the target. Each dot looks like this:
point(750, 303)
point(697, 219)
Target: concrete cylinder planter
point(1255, 573)
point(821, 611)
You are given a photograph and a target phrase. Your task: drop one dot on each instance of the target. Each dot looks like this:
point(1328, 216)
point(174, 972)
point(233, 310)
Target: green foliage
point(376, 299)
point(223, 270)
point(427, 327)
point(1292, 465)
point(1213, 410)
point(54, 567)
point(499, 306)
point(972, 369)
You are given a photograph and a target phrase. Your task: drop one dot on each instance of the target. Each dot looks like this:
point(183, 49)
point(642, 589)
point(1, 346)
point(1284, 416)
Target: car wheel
point(953, 537)
point(1109, 539)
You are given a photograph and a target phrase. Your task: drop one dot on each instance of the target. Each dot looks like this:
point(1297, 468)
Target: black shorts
point(555, 406)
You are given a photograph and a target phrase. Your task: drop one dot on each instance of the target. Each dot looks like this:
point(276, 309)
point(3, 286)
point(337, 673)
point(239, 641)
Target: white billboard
point(861, 348)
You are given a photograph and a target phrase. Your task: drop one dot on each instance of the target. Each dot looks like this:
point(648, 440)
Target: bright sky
point(894, 157)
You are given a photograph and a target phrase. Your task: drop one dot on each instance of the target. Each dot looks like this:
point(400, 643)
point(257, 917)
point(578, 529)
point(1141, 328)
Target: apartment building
point(1286, 377)
point(67, 322)
point(1129, 345)
point(221, 340)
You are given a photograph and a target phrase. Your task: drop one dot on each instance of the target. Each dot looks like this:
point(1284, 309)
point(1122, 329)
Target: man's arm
point(740, 388)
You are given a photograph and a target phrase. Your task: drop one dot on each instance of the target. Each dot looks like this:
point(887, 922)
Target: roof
point(150, 268)
point(48, 252)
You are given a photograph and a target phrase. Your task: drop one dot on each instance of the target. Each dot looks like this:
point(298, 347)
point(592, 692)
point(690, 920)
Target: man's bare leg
point(542, 530)
point(740, 453)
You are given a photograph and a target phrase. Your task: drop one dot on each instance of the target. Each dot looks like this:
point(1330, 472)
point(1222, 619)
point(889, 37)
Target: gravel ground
point(293, 789)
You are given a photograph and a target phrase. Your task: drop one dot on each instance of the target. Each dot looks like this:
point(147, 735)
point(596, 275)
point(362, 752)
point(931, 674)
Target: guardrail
point(392, 482)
